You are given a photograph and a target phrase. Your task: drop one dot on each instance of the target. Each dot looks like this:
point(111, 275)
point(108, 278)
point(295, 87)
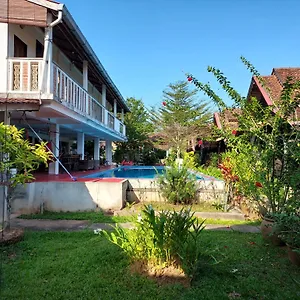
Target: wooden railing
point(24, 74)
point(66, 89)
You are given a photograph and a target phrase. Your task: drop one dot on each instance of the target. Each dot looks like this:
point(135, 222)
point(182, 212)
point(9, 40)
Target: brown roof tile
point(283, 73)
point(19, 101)
point(272, 86)
point(228, 118)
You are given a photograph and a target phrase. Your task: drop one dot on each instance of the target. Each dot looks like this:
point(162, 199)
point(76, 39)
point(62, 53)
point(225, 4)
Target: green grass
point(81, 265)
point(94, 217)
point(201, 207)
point(99, 217)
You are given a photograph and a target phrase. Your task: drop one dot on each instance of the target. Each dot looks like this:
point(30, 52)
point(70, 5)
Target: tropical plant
point(17, 152)
point(265, 148)
point(177, 185)
point(181, 118)
point(163, 239)
point(287, 226)
point(138, 129)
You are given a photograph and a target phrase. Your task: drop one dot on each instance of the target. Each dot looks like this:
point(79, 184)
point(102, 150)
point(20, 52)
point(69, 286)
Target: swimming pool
point(141, 172)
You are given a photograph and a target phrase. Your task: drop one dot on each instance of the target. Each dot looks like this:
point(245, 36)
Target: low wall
point(69, 196)
point(147, 190)
point(84, 196)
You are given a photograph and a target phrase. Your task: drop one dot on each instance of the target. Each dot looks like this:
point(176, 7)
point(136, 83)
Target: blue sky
point(146, 44)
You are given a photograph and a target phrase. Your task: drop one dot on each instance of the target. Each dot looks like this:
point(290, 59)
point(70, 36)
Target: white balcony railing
point(25, 76)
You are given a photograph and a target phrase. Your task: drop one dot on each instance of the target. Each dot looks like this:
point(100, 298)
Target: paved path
point(74, 225)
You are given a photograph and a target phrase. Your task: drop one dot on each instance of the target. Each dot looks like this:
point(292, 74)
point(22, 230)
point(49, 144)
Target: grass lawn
point(81, 265)
point(93, 216)
point(99, 217)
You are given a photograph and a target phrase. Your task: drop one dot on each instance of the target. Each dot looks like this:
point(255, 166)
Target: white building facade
point(51, 81)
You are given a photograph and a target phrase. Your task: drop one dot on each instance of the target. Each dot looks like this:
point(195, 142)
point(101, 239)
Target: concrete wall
point(147, 190)
point(28, 34)
point(3, 56)
point(69, 196)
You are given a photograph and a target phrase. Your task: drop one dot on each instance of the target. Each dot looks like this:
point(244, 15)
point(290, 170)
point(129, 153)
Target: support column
point(115, 108)
point(96, 153)
point(108, 152)
point(85, 75)
point(5, 117)
point(80, 144)
point(104, 104)
point(49, 57)
point(54, 139)
point(122, 115)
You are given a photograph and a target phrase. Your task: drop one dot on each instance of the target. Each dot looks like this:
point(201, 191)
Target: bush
point(177, 185)
point(164, 239)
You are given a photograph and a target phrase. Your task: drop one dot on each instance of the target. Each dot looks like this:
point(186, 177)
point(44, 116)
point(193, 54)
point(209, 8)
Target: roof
point(67, 34)
point(271, 86)
point(227, 118)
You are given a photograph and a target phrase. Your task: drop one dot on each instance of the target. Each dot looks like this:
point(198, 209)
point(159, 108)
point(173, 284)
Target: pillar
point(115, 108)
point(80, 144)
point(85, 75)
point(5, 117)
point(49, 58)
point(96, 153)
point(108, 152)
point(96, 148)
point(104, 104)
point(54, 139)
point(122, 115)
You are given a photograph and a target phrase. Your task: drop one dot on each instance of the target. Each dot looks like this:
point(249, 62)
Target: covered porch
point(78, 146)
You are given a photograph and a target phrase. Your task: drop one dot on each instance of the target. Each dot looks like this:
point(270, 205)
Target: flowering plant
point(266, 152)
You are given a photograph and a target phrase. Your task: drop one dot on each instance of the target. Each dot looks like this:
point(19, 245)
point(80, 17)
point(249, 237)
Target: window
point(39, 49)
point(20, 48)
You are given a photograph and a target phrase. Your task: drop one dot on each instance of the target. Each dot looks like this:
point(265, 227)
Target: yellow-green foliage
point(17, 152)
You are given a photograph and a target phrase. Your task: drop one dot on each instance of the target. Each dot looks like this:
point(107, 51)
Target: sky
point(146, 44)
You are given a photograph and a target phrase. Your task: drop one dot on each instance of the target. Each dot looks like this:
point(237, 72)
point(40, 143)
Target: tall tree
point(182, 116)
point(138, 127)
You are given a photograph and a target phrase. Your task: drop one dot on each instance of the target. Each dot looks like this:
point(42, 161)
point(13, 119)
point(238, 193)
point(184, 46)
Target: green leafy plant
point(177, 184)
point(168, 238)
point(287, 226)
point(17, 152)
point(265, 150)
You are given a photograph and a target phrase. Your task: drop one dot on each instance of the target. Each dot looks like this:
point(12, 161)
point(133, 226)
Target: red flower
point(234, 132)
point(236, 178)
point(258, 184)
point(190, 79)
point(200, 142)
point(164, 103)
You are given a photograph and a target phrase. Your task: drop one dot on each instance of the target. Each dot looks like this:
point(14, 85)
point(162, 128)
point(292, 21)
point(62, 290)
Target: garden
point(168, 252)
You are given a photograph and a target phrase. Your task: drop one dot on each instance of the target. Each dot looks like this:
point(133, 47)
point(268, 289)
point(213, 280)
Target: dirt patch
point(11, 236)
point(162, 275)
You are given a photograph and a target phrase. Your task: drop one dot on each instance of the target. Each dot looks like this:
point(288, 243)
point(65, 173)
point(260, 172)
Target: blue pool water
point(146, 172)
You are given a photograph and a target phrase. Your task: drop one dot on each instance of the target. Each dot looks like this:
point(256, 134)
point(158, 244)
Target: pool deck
point(79, 175)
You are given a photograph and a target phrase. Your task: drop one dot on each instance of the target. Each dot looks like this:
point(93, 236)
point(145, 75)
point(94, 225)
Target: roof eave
point(67, 17)
point(50, 5)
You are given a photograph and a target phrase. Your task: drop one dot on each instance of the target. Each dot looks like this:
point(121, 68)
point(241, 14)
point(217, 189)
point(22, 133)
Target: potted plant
point(288, 227)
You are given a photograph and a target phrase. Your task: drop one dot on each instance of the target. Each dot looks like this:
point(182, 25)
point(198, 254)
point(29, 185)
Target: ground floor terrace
point(76, 144)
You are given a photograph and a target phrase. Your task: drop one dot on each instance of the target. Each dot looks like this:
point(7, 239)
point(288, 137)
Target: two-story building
point(52, 81)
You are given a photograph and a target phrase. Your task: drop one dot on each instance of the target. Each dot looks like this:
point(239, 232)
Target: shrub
point(164, 239)
point(177, 185)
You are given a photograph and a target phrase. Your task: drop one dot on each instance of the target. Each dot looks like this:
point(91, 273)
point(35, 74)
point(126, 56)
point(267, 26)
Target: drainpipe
point(48, 54)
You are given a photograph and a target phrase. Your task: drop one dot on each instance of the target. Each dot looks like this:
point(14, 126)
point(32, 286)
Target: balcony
point(25, 75)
